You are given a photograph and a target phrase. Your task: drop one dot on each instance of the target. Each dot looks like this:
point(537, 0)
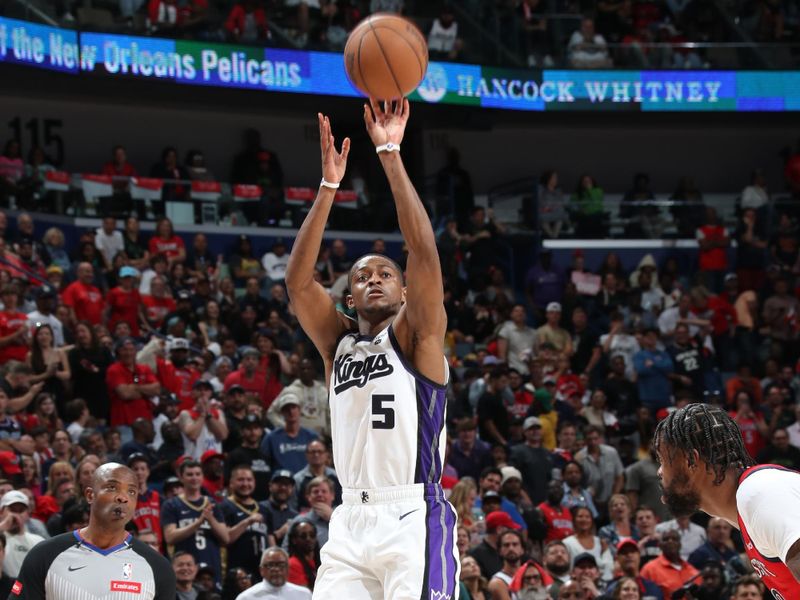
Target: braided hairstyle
point(708, 430)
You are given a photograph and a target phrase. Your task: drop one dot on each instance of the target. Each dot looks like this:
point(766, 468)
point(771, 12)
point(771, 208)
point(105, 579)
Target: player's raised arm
point(314, 308)
point(421, 326)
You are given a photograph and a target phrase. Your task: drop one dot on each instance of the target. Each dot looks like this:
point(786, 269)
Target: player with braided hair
point(705, 466)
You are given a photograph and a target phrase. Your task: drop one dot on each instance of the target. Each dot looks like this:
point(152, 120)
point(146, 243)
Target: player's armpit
point(793, 560)
point(318, 317)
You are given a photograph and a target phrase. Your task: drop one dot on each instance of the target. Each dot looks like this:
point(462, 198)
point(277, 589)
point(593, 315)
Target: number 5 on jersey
point(382, 416)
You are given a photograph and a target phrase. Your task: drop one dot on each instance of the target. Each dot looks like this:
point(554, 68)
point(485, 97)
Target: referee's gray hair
point(274, 549)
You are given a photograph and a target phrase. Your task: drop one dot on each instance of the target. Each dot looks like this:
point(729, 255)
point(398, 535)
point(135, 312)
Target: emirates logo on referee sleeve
point(16, 588)
point(131, 587)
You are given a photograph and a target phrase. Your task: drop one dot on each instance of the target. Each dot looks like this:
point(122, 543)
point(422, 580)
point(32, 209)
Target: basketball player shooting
point(704, 465)
point(393, 536)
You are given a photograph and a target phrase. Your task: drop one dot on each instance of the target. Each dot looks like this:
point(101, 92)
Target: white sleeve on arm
point(768, 502)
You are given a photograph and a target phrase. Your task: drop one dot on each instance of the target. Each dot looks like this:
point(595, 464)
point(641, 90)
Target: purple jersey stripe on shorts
point(442, 570)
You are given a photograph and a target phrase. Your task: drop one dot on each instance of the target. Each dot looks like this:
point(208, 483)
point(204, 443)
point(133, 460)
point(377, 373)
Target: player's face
point(376, 287)
point(680, 493)
point(113, 497)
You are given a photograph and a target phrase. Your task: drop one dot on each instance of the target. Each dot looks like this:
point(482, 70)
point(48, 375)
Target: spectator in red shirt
point(556, 517)
point(175, 374)
point(124, 302)
point(130, 387)
point(754, 428)
point(247, 22)
point(213, 474)
point(159, 303)
point(119, 166)
point(13, 327)
point(84, 300)
point(713, 240)
point(248, 375)
point(167, 243)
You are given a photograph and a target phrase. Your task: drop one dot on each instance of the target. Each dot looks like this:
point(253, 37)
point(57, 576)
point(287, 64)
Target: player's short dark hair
point(490, 471)
point(395, 265)
point(189, 464)
point(710, 432)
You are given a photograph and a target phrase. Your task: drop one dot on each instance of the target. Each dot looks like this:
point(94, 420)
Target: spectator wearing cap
point(144, 433)
point(14, 516)
point(669, 571)
point(286, 446)
point(602, 466)
point(318, 457)
point(29, 260)
point(176, 374)
point(45, 297)
point(515, 340)
point(14, 334)
point(586, 573)
point(172, 488)
point(487, 552)
point(248, 453)
point(469, 456)
point(235, 400)
point(124, 304)
point(493, 417)
point(512, 490)
point(489, 484)
point(84, 300)
point(552, 333)
point(279, 512)
point(109, 241)
point(653, 369)
point(130, 387)
point(314, 405)
point(556, 517)
point(533, 460)
point(183, 312)
point(203, 427)
point(147, 515)
point(213, 464)
point(249, 376)
point(629, 561)
point(511, 549)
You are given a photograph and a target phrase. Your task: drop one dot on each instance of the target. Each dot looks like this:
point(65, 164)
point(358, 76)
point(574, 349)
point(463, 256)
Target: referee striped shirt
point(67, 567)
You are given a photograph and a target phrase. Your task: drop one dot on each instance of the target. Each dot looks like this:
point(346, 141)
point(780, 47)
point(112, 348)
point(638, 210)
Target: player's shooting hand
point(386, 121)
point(334, 163)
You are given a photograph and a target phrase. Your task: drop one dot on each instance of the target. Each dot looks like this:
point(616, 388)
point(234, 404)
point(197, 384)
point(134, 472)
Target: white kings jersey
point(387, 420)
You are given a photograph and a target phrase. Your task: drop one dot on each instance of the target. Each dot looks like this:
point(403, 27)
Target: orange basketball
point(386, 56)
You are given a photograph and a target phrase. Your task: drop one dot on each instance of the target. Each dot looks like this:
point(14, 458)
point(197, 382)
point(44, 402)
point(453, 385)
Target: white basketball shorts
point(396, 543)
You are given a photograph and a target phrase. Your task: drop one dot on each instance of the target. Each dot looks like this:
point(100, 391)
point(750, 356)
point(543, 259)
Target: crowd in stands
point(190, 368)
point(625, 33)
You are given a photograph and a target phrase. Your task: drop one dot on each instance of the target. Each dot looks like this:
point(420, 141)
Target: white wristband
point(390, 147)
point(329, 184)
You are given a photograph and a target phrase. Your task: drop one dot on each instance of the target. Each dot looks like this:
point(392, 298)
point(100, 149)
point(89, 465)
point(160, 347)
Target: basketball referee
point(101, 561)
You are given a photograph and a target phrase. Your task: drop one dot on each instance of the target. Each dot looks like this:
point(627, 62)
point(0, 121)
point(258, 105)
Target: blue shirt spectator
point(653, 368)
